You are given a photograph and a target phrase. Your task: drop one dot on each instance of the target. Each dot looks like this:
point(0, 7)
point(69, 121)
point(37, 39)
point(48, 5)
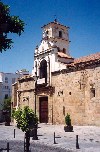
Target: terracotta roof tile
point(63, 55)
point(88, 58)
point(85, 59)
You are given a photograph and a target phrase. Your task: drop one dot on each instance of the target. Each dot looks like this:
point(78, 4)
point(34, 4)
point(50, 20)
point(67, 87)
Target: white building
point(53, 52)
point(6, 81)
point(22, 72)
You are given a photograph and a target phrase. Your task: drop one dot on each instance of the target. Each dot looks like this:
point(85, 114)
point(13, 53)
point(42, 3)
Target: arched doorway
point(43, 70)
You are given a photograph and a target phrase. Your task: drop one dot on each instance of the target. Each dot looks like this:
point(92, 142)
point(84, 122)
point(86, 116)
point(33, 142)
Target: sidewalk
point(89, 137)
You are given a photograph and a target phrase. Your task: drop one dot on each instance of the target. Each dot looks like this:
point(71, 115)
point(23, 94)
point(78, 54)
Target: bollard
point(54, 138)
point(14, 133)
point(35, 137)
point(24, 145)
point(26, 141)
point(8, 147)
point(77, 144)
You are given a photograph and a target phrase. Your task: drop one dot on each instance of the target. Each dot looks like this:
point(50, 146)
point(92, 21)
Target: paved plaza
point(89, 139)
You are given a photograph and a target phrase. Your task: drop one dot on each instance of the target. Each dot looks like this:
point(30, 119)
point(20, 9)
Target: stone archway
point(43, 70)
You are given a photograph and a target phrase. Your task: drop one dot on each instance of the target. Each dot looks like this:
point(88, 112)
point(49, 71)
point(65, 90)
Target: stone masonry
point(73, 96)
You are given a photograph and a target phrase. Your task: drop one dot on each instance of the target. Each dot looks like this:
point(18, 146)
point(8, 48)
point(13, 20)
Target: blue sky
point(82, 16)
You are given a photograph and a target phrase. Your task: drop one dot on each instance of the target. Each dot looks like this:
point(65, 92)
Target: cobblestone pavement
point(18, 146)
point(89, 139)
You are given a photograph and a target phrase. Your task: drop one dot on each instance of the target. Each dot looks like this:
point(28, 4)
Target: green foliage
point(68, 120)
point(25, 118)
point(8, 23)
point(7, 104)
point(7, 109)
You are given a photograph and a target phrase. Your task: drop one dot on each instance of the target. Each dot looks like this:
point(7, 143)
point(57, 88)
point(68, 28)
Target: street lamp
point(35, 92)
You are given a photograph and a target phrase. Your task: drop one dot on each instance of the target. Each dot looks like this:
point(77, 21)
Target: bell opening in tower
point(43, 70)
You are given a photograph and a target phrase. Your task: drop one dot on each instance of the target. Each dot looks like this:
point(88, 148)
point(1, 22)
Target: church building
point(59, 83)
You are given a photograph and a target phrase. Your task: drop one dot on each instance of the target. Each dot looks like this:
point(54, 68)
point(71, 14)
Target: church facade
point(60, 84)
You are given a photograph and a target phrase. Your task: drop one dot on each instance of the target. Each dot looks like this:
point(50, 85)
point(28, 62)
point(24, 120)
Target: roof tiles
point(63, 55)
point(88, 58)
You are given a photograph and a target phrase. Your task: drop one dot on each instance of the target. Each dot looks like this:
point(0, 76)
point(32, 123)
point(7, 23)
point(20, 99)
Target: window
point(60, 34)
point(6, 80)
point(47, 32)
point(6, 87)
point(69, 93)
point(43, 69)
point(64, 50)
point(6, 96)
point(13, 80)
point(92, 93)
point(64, 110)
point(58, 49)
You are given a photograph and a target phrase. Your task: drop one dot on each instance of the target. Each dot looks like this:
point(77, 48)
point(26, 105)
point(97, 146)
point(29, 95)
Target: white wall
point(47, 47)
point(6, 87)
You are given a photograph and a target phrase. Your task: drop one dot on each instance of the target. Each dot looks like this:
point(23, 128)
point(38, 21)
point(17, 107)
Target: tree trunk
point(27, 140)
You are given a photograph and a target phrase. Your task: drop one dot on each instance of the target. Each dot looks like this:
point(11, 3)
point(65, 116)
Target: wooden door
point(43, 109)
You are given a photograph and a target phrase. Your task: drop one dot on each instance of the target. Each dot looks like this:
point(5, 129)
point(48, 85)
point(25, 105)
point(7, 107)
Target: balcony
point(41, 81)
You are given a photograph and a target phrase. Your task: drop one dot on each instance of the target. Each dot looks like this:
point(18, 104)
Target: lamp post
point(35, 93)
point(35, 78)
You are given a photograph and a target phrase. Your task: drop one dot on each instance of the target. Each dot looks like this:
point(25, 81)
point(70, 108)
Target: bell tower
point(56, 35)
point(53, 53)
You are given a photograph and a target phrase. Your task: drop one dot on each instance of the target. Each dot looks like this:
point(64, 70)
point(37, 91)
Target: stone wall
point(76, 92)
point(73, 95)
point(26, 93)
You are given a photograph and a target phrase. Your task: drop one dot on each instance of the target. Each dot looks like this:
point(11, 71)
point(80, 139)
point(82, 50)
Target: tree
point(68, 127)
point(8, 24)
point(7, 110)
point(26, 120)
point(68, 120)
point(7, 104)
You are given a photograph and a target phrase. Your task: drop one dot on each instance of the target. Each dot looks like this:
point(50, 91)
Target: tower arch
point(43, 70)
